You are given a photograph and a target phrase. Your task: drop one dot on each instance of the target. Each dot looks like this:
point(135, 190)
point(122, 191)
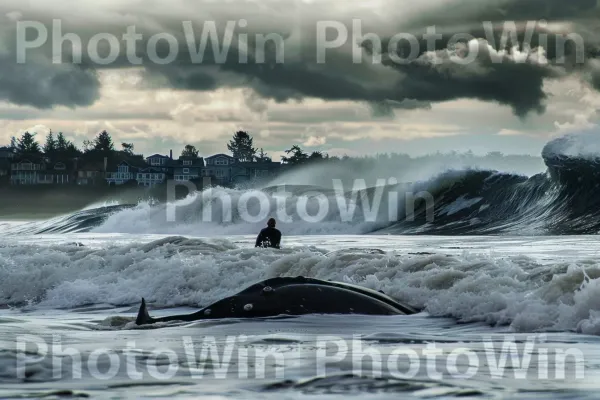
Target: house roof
point(196, 161)
point(133, 163)
point(158, 156)
point(219, 155)
point(30, 159)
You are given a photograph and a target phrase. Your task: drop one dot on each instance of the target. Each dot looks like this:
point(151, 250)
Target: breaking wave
point(563, 200)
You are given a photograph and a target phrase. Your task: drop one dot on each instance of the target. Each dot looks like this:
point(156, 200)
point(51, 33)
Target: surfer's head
point(271, 223)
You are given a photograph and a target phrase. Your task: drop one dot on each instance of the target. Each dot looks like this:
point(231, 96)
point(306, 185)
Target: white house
point(125, 172)
point(150, 177)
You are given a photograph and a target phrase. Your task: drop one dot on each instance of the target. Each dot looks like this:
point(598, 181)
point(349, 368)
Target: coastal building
point(119, 168)
point(6, 156)
point(91, 173)
point(219, 168)
point(161, 163)
point(125, 172)
point(37, 171)
point(27, 172)
point(150, 176)
point(188, 168)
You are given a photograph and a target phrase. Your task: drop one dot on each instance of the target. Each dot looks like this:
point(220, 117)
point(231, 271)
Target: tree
point(63, 149)
point(50, 145)
point(316, 155)
point(262, 156)
point(28, 145)
point(190, 151)
point(127, 148)
point(297, 156)
point(72, 151)
point(87, 146)
point(13, 143)
point(61, 143)
point(103, 143)
point(241, 147)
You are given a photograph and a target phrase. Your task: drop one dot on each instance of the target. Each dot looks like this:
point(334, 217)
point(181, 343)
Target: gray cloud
point(386, 87)
point(43, 85)
point(516, 84)
point(385, 109)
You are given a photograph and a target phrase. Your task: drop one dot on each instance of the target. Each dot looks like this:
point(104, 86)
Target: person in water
point(269, 236)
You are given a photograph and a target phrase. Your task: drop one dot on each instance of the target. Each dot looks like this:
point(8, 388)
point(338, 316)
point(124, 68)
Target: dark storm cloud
point(515, 84)
point(43, 85)
point(511, 82)
point(386, 87)
point(40, 83)
point(472, 12)
point(385, 109)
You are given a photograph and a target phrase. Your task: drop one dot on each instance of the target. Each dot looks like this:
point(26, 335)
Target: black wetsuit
point(269, 237)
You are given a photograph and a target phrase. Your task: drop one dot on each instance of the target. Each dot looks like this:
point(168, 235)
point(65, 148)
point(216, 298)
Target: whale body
point(291, 296)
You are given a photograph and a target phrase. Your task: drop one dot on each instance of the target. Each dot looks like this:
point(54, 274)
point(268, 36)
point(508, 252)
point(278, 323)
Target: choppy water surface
point(484, 297)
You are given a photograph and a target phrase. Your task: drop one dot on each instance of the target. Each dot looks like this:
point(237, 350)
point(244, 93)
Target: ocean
point(503, 268)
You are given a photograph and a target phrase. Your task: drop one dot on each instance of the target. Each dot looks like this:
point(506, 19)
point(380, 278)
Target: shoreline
point(31, 203)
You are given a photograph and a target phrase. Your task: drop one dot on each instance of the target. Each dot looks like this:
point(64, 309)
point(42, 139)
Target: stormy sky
point(342, 77)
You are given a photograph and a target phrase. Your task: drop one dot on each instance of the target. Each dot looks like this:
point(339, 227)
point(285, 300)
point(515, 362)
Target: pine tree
point(297, 156)
point(61, 142)
point(190, 151)
point(87, 146)
point(241, 147)
point(103, 143)
point(127, 148)
point(316, 155)
point(72, 150)
point(50, 145)
point(27, 145)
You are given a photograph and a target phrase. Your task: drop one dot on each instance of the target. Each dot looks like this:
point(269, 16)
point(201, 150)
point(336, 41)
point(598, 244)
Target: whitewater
point(503, 267)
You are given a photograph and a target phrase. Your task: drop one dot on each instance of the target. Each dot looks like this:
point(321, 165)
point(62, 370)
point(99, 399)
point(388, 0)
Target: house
point(61, 174)
point(6, 156)
point(37, 170)
point(4, 168)
point(188, 168)
point(249, 171)
point(125, 171)
point(30, 171)
point(150, 176)
point(91, 173)
point(219, 167)
point(7, 152)
point(164, 163)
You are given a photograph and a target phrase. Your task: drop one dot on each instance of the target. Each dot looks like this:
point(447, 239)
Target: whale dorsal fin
point(143, 317)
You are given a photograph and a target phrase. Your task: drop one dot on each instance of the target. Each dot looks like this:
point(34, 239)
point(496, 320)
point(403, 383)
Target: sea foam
point(176, 271)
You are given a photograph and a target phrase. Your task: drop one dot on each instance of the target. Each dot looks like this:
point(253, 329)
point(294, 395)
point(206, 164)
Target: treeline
point(58, 148)
point(241, 146)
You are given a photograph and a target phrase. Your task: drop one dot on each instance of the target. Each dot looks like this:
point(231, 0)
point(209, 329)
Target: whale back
point(292, 296)
point(281, 281)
